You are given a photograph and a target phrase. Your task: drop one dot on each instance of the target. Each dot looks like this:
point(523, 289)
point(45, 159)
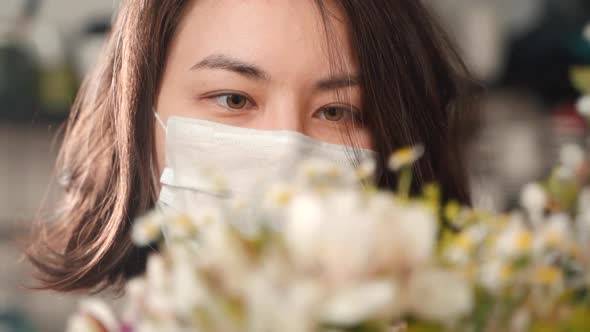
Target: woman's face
point(262, 64)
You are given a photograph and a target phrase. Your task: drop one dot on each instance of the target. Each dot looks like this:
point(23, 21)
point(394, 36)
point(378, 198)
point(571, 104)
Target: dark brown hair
point(414, 89)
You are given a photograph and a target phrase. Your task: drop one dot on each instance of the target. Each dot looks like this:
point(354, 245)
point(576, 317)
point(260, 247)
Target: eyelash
point(354, 115)
point(225, 94)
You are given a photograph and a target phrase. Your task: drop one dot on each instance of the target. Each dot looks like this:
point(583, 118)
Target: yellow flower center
point(548, 275)
point(523, 241)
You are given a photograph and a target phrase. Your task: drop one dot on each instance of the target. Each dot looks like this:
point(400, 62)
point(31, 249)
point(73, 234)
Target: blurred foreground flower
point(328, 251)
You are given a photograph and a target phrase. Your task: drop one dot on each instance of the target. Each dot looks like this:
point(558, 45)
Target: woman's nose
point(284, 116)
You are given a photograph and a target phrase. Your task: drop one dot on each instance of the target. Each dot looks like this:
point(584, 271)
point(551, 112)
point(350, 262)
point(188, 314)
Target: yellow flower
point(580, 76)
point(182, 227)
point(495, 274)
point(147, 229)
point(464, 242)
point(279, 196)
point(547, 275)
point(366, 169)
point(514, 240)
point(405, 156)
point(523, 241)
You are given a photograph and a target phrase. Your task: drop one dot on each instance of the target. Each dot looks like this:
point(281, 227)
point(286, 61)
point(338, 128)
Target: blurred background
point(522, 50)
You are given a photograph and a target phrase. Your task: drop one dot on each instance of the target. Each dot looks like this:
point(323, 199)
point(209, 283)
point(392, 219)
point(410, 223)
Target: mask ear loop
point(165, 128)
point(159, 119)
point(157, 206)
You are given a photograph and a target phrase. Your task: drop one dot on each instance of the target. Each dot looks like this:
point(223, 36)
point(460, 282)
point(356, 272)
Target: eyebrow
point(220, 61)
point(251, 71)
point(337, 82)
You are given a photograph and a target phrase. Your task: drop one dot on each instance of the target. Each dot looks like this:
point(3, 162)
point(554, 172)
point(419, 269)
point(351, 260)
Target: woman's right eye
point(233, 101)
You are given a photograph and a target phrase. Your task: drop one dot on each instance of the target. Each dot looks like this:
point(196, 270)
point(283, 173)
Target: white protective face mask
point(249, 160)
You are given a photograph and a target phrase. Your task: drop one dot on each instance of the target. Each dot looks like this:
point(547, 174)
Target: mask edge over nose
point(247, 158)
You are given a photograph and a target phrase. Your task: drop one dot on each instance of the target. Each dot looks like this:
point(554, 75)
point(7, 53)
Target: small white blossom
point(465, 243)
point(147, 229)
point(135, 290)
point(533, 198)
point(586, 32)
point(278, 196)
point(181, 227)
point(572, 156)
point(583, 105)
point(94, 316)
point(320, 174)
point(84, 323)
point(348, 222)
point(367, 168)
point(406, 156)
point(159, 299)
point(439, 295)
point(417, 229)
point(553, 234)
point(303, 229)
point(377, 299)
point(495, 274)
point(291, 308)
point(514, 241)
point(187, 287)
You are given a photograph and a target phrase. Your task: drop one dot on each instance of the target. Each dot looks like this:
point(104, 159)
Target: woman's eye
point(232, 101)
point(336, 114)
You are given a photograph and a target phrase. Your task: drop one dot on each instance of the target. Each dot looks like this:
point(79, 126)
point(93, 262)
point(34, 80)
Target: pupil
point(333, 113)
point(236, 101)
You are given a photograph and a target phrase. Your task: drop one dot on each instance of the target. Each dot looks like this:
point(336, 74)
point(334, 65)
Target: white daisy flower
point(555, 233)
point(495, 274)
point(439, 295)
point(147, 229)
point(572, 156)
point(375, 299)
point(514, 241)
point(405, 156)
point(303, 229)
point(583, 105)
point(533, 198)
point(94, 316)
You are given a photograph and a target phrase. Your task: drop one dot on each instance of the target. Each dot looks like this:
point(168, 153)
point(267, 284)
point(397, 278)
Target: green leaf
point(579, 321)
point(580, 76)
point(424, 327)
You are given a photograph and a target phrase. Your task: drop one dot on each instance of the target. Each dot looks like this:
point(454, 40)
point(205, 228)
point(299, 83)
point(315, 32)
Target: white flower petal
point(587, 32)
point(583, 105)
point(533, 198)
point(572, 156)
point(303, 229)
point(147, 229)
point(439, 295)
point(94, 309)
point(83, 323)
point(377, 299)
point(555, 233)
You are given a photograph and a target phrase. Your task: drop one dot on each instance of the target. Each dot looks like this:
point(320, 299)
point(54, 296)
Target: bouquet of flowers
point(321, 254)
point(318, 254)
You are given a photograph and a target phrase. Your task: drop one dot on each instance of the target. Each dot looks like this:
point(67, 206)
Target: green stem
point(405, 182)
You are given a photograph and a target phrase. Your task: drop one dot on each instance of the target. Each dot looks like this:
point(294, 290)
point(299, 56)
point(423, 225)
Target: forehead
point(285, 37)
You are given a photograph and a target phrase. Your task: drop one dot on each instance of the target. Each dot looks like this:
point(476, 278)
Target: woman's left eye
point(336, 114)
point(232, 101)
